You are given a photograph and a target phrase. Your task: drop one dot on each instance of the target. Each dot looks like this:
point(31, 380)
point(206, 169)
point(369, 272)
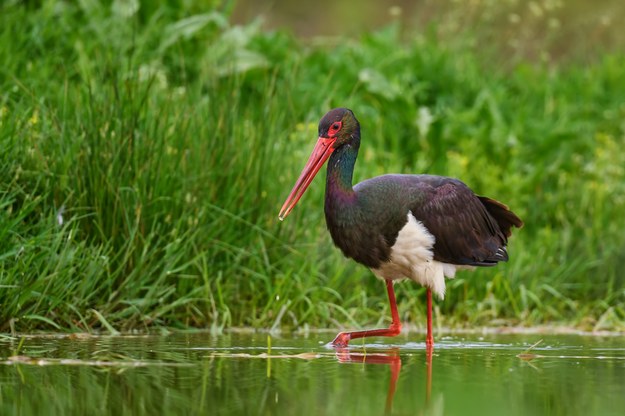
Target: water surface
point(254, 374)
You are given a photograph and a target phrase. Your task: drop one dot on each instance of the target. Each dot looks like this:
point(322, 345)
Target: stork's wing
point(469, 230)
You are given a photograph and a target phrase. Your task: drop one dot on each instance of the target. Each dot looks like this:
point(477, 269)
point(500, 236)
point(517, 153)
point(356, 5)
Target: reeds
point(145, 156)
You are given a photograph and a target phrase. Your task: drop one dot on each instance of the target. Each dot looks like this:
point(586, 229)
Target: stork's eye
point(334, 128)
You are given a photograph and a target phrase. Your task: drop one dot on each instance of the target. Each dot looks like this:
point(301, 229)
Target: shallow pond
point(252, 374)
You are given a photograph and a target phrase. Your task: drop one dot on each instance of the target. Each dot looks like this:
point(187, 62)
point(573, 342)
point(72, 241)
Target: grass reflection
point(199, 373)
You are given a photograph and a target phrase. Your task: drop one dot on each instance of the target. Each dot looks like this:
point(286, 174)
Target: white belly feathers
point(412, 257)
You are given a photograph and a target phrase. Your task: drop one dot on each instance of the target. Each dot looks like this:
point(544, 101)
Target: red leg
point(342, 339)
point(429, 339)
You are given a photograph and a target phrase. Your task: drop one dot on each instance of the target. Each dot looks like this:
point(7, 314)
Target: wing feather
point(469, 230)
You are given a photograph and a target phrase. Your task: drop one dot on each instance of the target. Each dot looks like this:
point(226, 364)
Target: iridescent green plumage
point(364, 220)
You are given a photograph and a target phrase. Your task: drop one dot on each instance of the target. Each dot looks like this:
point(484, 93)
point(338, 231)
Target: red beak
point(322, 151)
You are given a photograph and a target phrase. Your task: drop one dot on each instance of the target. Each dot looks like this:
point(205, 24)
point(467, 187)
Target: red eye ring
point(334, 128)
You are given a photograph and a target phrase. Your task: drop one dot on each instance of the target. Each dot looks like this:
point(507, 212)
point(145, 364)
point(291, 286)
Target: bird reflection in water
point(392, 358)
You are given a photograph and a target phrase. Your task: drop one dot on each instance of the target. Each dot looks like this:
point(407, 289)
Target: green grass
point(168, 138)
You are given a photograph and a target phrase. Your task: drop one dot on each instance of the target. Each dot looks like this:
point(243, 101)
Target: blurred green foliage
point(147, 148)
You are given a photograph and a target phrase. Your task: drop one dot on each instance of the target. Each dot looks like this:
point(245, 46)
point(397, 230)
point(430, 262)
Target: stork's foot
point(341, 340)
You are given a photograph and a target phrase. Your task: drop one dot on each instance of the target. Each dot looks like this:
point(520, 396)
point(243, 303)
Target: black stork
point(420, 227)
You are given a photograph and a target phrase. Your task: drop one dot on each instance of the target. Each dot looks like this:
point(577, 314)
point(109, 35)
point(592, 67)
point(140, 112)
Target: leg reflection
point(428, 379)
point(392, 359)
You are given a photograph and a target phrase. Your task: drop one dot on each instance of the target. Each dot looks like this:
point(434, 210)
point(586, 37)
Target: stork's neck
point(339, 192)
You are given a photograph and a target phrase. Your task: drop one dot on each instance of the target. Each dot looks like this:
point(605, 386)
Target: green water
point(233, 374)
